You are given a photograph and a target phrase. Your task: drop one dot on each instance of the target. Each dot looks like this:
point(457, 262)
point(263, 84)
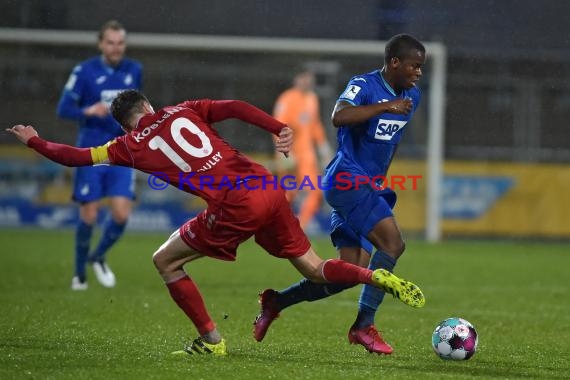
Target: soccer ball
point(454, 339)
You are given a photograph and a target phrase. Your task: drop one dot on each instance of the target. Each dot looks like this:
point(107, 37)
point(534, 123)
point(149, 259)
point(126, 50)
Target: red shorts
point(263, 213)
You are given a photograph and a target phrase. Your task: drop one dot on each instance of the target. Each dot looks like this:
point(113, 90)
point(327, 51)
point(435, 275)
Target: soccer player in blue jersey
point(86, 98)
point(371, 115)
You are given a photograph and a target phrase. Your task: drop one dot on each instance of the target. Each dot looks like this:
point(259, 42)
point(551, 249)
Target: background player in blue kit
point(371, 116)
point(86, 98)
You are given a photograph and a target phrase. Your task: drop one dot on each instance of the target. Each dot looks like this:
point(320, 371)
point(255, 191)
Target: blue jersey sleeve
point(68, 106)
point(355, 92)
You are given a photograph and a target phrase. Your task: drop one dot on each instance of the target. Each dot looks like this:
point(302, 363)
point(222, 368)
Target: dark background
point(508, 87)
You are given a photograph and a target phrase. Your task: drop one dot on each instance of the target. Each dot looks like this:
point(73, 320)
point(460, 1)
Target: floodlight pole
point(435, 143)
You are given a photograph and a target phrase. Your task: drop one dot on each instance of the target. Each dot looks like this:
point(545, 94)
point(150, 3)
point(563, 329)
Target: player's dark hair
point(400, 46)
point(112, 25)
point(126, 105)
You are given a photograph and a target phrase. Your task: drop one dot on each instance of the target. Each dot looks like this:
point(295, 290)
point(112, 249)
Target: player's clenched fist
point(23, 133)
point(284, 141)
point(99, 109)
point(401, 106)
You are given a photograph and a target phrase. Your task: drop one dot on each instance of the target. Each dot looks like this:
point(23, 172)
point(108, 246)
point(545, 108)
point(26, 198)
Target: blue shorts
point(356, 212)
point(92, 183)
point(342, 235)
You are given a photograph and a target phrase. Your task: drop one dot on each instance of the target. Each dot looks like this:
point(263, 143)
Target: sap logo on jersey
point(386, 129)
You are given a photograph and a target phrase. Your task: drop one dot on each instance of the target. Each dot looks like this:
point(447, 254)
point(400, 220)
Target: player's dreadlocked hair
point(126, 105)
point(400, 47)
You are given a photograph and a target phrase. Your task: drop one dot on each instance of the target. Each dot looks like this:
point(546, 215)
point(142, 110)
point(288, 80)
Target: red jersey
point(180, 143)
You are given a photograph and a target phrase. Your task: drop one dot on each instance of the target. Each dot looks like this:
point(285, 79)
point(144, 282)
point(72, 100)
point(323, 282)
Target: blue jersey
point(93, 81)
point(368, 148)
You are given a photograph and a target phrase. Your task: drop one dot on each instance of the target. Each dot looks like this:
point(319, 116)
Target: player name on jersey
point(146, 131)
point(211, 162)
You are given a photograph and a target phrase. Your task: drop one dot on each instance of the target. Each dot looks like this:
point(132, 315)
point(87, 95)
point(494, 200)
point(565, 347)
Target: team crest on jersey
point(386, 129)
point(351, 92)
point(84, 189)
point(128, 80)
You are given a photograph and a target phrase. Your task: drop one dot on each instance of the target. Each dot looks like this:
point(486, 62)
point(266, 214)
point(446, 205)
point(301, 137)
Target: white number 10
point(158, 142)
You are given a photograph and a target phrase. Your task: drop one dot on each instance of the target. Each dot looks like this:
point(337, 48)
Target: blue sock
point(371, 297)
point(306, 290)
point(82, 240)
point(111, 233)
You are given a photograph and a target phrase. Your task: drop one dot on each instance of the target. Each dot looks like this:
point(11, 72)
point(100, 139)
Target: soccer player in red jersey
point(180, 142)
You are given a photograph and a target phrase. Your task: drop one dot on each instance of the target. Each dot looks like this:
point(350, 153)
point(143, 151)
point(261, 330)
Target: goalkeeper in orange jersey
point(298, 107)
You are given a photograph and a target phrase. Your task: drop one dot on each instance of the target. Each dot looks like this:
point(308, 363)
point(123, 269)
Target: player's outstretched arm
point(60, 153)
point(345, 113)
point(237, 109)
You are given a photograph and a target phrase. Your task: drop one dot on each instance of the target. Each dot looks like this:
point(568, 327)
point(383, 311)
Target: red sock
point(187, 296)
point(341, 272)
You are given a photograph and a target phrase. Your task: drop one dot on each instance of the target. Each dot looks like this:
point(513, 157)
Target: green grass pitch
point(516, 294)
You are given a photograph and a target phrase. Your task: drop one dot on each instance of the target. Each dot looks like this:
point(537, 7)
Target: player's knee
point(396, 248)
point(314, 274)
point(121, 214)
point(88, 218)
point(402, 247)
point(160, 261)
point(315, 277)
point(121, 218)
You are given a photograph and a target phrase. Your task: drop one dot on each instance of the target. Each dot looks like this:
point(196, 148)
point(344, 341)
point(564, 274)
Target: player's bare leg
point(386, 236)
point(354, 255)
point(169, 260)
point(88, 212)
point(121, 208)
point(171, 256)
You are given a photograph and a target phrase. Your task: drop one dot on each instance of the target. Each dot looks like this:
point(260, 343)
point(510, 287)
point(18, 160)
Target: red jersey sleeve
point(119, 153)
point(217, 110)
point(115, 152)
point(201, 107)
point(62, 154)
